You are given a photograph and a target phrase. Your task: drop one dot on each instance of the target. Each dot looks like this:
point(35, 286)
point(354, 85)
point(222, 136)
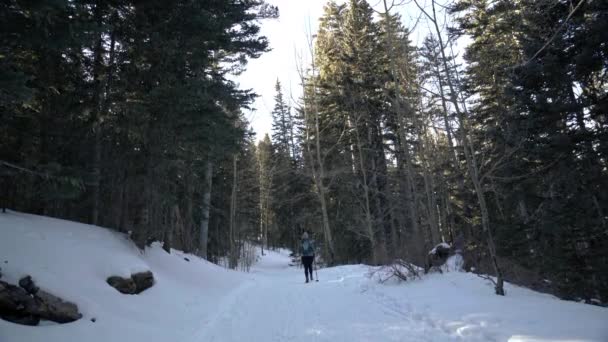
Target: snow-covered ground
point(198, 302)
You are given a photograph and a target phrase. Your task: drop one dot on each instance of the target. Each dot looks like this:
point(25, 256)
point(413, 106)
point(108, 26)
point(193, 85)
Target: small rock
point(28, 285)
point(188, 260)
point(93, 319)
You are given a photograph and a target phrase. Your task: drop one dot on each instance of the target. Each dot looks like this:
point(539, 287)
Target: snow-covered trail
point(345, 305)
point(276, 305)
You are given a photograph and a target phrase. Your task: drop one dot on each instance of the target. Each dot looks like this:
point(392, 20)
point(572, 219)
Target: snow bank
point(455, 263)
point(73, 261)
point(465, 306)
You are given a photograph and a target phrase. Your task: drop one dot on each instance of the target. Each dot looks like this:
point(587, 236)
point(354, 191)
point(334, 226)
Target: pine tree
point(282, 126)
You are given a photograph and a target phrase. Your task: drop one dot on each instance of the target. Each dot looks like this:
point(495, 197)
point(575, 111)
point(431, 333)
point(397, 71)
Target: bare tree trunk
point(97, 99)
point(321, 192)
point(469, 155)
point(454, 154)
point(377, 152)
point(170, 226)
point(265, 181)
point(233, 254)
point(431, 203)
point(206, 205)
point(188, 233)
point(411, 197)
point(102, 104)
point(179, 229)
point(5, 193)
point(124, 212)
point(369, 225)
point(293, 142)
point(318, 174)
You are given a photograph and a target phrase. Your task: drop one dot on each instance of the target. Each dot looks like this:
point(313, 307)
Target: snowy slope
point(197, 301)
point(73, 260)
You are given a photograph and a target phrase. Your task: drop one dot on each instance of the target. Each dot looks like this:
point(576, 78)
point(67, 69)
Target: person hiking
point(307, 250)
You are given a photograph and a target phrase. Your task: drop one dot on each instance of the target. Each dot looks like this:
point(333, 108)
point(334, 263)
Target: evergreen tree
point(129, 99)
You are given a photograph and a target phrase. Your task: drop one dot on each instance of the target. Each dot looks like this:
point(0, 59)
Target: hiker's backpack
point(307, 248)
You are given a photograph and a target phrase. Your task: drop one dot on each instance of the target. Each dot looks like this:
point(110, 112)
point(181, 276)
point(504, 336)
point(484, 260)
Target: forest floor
point(195, 301)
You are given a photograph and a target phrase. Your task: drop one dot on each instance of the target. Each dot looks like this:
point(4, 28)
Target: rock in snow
point(137, 283)
point(123, 285)
point(143, 281)
point(28, 304)
point(55, 309)
point(28, 285)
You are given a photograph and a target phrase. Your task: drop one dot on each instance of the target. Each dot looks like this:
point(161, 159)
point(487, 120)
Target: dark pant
point(307, 262)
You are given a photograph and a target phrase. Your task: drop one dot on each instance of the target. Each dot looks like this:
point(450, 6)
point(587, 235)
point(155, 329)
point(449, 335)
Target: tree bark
point(97, 99)
point(233, 254)
point(101, 104)
point(205, 207)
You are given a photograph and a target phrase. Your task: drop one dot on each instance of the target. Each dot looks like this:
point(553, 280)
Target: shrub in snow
point(398, 271)
point(137, 283)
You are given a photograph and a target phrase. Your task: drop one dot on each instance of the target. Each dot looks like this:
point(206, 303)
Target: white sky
point(288, 39)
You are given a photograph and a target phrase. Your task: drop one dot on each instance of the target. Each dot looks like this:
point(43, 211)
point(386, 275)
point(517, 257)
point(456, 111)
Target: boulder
point(123, 285)
point(137, 283)
point(19, 306)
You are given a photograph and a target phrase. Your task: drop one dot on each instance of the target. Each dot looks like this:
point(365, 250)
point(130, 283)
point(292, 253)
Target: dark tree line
point(120, 113)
